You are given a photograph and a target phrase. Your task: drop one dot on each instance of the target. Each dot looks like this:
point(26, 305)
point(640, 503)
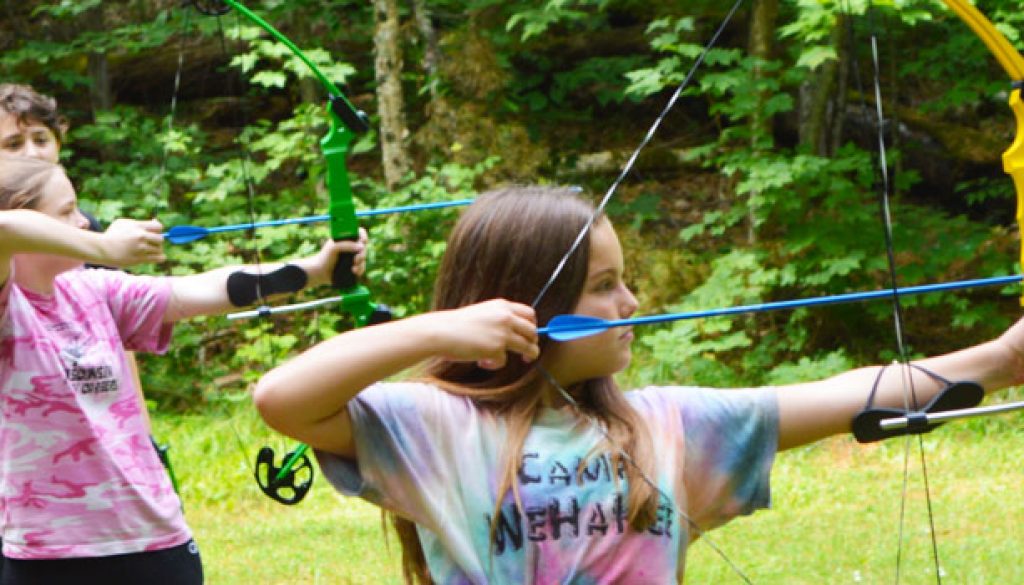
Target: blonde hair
point(23, 181)
point(507, 245)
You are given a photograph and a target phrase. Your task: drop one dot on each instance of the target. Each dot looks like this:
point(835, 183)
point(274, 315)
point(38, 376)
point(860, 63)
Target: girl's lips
point(628, 335)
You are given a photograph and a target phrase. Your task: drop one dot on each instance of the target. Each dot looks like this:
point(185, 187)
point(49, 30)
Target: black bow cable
point(909, 390)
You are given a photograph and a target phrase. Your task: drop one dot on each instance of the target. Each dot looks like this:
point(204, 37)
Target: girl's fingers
point(492, 363)
point(350, 246)
point(152, 225)
point(526, 347)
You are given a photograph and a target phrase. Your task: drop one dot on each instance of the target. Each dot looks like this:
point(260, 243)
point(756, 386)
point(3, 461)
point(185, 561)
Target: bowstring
point(636, 154)
point(240, 117)
point(598, 211)
point(909, 389)
point(173, 109)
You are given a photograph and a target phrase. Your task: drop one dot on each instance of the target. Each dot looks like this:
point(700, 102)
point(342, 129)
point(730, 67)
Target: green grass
point(835, 513)
point(244, 536)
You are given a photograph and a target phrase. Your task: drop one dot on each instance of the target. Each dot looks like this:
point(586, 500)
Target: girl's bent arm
point(306, 398)
point(815, 410)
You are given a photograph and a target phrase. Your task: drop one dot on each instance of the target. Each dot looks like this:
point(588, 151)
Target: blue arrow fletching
point(570, 327)
point(184, 234)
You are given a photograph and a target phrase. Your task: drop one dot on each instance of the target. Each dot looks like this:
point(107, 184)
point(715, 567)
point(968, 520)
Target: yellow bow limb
point(1011, 61)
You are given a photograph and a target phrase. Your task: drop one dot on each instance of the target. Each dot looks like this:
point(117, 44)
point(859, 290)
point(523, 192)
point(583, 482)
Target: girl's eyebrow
point(601, 273)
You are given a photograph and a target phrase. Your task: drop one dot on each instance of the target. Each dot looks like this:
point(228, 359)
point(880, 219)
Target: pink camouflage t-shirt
point(78, 474)
point(435, 458)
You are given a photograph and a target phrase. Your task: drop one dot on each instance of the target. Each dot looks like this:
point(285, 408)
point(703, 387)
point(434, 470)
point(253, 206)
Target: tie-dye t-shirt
point(435, 459)
point(78, 474)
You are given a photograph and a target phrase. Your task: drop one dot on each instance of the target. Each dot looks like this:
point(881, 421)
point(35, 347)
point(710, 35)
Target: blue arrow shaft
point(323, 218)
point(269, 223)
point(791, 304)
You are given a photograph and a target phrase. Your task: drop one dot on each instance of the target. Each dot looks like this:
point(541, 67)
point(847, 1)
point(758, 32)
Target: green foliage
point(59, 57)
point(537, 21)
point(808, 215)
point(283, 62)
point(764, 220)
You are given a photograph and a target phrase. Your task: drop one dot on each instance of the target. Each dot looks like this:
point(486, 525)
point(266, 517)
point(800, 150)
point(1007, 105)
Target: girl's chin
point(622, 363)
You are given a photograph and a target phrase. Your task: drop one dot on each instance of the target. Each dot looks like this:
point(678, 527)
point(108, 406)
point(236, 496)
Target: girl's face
point(60, 202)
point(605, 295)
point(31, 139)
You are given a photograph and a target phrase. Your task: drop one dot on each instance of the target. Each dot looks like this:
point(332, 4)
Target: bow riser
point(1013, 161)
point(1013, 63)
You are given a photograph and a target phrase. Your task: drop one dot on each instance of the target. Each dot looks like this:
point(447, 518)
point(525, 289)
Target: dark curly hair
point(28, 105)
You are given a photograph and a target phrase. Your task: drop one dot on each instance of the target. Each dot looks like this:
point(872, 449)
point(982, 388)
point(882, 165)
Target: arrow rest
point(292, 486)
point(209, 7)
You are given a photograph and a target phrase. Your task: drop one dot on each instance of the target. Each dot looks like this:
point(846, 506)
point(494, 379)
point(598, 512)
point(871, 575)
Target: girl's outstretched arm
point(207, 293)
point(125, 243)
point(815, 410)
point(306, 397)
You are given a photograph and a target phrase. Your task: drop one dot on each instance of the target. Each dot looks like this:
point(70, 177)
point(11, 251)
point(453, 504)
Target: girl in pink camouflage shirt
point(83, 495)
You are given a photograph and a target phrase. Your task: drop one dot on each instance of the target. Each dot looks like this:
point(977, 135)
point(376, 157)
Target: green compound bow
point(289, 482)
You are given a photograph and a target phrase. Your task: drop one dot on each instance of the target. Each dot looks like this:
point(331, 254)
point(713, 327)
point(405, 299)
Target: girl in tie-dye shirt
point(513, 459)
point(83, 494)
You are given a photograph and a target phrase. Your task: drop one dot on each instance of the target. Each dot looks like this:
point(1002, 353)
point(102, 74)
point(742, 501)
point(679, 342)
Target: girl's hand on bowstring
point(128, 242)
point(320, 266)
point(486, 331)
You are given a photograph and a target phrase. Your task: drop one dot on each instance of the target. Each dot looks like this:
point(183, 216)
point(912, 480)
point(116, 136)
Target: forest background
point(761, 185)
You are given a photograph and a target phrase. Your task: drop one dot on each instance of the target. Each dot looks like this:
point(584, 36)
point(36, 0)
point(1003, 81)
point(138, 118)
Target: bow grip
point(342, 277)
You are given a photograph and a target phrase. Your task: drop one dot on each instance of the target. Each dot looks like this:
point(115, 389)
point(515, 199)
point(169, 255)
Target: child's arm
point(125, 243)
point(812, 411)
point(306, 397)
point(207, 293)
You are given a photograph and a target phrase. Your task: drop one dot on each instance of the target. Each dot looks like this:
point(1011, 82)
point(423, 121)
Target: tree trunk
point(761, 44)
point(389, 91)
point(822, 100)
point(101, 95)
point(845, 54)
point(431, 54)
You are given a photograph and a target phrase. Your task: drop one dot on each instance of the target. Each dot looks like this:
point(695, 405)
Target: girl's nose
point(83, 222)
point(630, 304)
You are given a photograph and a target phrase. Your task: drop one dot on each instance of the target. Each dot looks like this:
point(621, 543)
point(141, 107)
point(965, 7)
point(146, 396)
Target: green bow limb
point(346, 122)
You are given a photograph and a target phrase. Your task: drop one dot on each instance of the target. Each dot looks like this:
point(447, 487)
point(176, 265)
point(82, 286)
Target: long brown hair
point(23, 181)
point(506, 245)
